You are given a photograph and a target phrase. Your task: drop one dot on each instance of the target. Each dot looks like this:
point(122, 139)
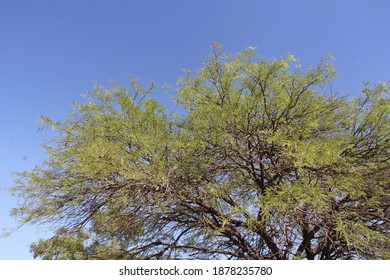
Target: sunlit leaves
point(266, 163)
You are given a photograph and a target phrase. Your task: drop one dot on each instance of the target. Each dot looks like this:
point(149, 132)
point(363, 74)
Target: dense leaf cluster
point(265, 163)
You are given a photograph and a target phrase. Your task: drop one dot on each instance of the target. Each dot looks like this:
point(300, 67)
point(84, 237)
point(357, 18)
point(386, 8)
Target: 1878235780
point(242, 270)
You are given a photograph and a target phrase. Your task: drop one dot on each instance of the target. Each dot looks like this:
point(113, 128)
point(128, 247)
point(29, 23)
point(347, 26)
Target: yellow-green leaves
point(266, 163)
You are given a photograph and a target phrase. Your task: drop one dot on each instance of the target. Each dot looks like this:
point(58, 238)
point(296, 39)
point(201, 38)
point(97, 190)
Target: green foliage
point(266, 163)
point(65, 245)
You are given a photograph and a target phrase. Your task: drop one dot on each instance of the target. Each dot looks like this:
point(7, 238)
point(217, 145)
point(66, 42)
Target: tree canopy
point(263, 161)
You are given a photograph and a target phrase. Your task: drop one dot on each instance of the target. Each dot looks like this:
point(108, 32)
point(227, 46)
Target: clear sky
point(52, 51)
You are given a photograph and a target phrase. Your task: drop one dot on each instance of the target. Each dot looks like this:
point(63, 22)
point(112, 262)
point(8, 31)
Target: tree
point(265, 163)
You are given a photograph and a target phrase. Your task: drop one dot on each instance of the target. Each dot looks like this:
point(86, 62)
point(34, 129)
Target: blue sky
point(52, 51)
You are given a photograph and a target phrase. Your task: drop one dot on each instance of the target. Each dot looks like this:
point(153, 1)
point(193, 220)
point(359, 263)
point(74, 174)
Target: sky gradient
point(51, 52)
